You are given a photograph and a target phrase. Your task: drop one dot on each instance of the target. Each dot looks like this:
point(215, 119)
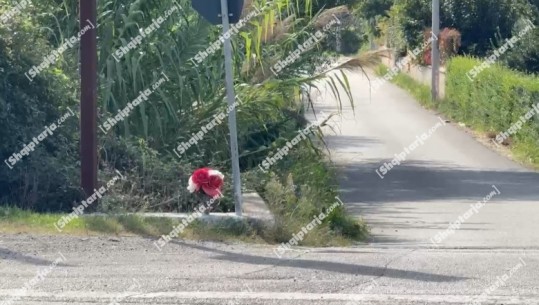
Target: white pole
point(435, 58)
point(231, 97)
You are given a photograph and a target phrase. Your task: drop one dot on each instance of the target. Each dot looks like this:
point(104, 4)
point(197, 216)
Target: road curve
point(442, 171)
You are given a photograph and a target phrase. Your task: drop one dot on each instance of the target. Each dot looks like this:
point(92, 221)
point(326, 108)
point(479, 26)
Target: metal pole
point(435, 58)
point(88, 103)
point(338, 36)
point(231, 97)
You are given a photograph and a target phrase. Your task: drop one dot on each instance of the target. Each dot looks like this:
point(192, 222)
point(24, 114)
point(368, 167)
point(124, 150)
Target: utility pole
point(338, 38)
point(231, 96)
point(88, 98)
point(435, 58)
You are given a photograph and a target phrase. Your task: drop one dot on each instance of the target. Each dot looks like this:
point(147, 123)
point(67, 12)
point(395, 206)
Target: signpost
point(212, 10)
point(226, 12)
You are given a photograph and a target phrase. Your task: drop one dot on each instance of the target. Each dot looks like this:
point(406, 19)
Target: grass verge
point(418, 90)
point(523, 151)
point(14, 220)
point(297, 189)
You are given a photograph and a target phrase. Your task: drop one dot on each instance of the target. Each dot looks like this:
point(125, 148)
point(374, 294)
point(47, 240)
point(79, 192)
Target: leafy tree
point(525, 55)
point(370, 9)
point(480, 20)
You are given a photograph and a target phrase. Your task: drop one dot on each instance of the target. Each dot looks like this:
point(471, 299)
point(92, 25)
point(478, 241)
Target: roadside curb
point(254, 210)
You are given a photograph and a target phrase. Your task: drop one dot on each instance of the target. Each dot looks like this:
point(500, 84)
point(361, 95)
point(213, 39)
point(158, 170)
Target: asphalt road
point(131, 270)
point(445, 172)
point(492, 259)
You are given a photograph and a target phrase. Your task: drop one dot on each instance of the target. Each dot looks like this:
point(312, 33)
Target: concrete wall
point(421, 74)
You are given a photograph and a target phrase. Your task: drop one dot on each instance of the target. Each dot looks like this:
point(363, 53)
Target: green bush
point(494, 101)
point(479, 22)
point(140, 147)
point(46, 179)
point(352, 41)
point(525, 56)
point(308, 188)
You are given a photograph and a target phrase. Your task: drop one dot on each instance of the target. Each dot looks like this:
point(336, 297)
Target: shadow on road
point(7, 254)
point(424, 181)
point(323, 265)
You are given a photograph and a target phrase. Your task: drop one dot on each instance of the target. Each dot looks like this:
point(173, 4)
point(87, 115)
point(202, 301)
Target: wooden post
point(88, 100)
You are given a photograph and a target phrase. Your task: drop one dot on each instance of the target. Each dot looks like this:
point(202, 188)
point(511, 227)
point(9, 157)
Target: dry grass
point(273, 32)
point(17, 221)
point(362, 61)
point(342, 13)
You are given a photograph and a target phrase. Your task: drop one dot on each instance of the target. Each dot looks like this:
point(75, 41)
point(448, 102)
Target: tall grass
point(141, 146)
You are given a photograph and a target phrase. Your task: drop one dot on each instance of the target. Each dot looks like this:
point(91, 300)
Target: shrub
point(493, 101)
point(525, 56)
point(448, 41)
point(478, 21)
point(46, 179)
point(351, 41)
point(308, 189)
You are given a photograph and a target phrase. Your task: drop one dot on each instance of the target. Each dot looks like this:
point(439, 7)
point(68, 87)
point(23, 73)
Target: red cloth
point(209, 180)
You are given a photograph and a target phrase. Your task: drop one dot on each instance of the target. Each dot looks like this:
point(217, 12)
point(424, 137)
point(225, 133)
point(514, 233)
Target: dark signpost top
point(211, 10)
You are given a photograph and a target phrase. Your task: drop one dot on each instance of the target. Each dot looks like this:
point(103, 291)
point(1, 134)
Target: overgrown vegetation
point(479, 21)
point(493, 101)
point(141, 146)
point(473, 29)
point(300, 187)
point(490, 104)
point(483, 26)
point(47, 178)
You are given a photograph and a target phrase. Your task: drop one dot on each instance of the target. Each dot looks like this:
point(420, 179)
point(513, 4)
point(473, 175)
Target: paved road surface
point(437, 182)
point(495, 253)
point(131, 271)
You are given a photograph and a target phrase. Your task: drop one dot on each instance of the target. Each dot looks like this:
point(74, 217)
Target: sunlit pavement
point(436, 183)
